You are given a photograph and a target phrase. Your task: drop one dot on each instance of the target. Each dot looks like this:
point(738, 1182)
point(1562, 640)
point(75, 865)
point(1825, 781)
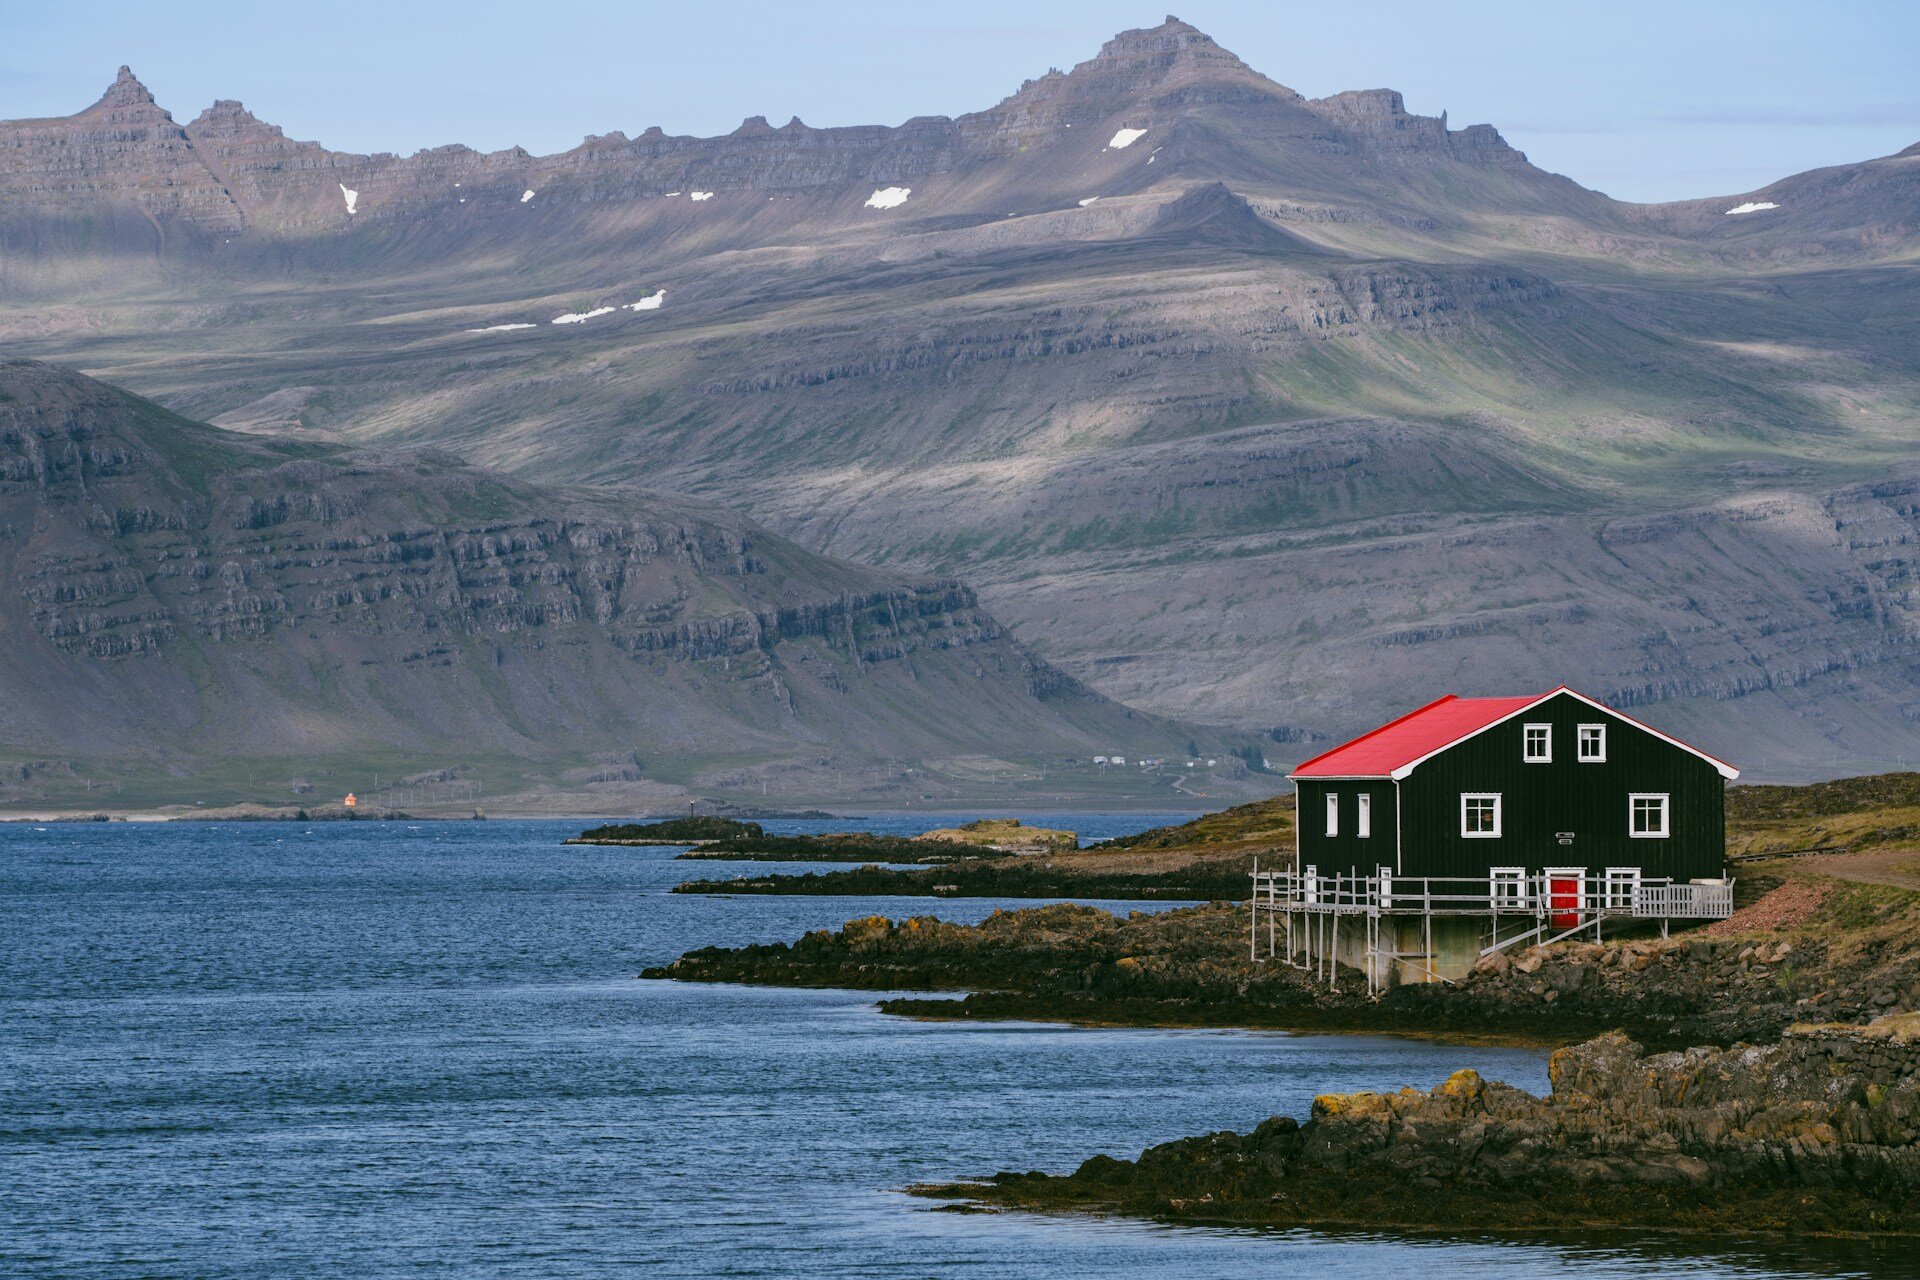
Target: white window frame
point(1507, 888)
point(1333, 815)
point(1466, 798)
point(1666, 814)
point(1386, 887)
point(1363, 818)
point(1527, 755)
point(1611, 885)
point(1580, 744)
point(1310, 884)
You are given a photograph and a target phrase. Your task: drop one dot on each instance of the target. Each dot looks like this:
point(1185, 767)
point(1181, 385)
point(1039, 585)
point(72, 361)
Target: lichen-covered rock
point(1815, 1133)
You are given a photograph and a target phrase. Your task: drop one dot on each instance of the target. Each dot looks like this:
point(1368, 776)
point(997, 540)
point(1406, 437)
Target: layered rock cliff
point(176, 592)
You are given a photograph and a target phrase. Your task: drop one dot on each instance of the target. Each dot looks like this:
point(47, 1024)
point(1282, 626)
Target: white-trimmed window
point(1508, 886)
point(1310, 884)
point(1647, 815)
point(1386, 887)
point(1333, 813)
point(1536, 743)
point(1591, 744)
point(1480, 815)
point(1363, 817)
point(1621, 883)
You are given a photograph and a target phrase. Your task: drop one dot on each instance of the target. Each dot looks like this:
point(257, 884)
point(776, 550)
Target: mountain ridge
point(1211, 395)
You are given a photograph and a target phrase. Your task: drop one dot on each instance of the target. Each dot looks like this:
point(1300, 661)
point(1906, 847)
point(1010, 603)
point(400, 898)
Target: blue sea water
point(386, 1049)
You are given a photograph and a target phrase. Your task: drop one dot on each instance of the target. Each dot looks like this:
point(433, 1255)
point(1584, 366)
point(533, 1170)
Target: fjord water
point(375, 1049)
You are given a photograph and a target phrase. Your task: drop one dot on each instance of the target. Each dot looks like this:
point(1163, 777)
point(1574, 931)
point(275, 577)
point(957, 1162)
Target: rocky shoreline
point(1190, 967)
point(1812, 1134)
point(983, 878)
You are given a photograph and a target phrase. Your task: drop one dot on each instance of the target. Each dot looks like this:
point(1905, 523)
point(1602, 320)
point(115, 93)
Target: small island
point(690, 830)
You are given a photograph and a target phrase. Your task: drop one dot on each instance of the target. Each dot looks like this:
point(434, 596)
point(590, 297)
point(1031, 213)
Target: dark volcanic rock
point(1814, 1134)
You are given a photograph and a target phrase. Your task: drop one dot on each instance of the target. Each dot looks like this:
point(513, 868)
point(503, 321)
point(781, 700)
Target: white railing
point(1708, 901)
point(1537, 895)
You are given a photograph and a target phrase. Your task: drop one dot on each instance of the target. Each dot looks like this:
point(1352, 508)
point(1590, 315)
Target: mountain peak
point(1173, 61)
point(1156, 53)
point(125, 91)
point(228, 116)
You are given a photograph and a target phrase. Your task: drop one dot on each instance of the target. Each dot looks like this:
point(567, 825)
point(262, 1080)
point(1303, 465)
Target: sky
point(1642, 100)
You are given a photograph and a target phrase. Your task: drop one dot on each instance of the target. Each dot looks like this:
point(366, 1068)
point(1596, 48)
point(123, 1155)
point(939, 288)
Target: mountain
point(1237, 405)
point(176, 596)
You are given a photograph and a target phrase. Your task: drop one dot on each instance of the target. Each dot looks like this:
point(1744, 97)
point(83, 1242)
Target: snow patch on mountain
point(702, 195)
point(1126, 138)
point(1752, 206)
point(649, 303)
point(502, 328)
point(525, 196)
point(352, 197)
point(889, 197)
point(581, 317)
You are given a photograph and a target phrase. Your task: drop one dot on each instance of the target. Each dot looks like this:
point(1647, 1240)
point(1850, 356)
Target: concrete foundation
point(1404, 944)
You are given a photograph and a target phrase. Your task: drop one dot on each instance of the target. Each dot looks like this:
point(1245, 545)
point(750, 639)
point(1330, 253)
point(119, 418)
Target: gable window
point(1538, 744)
point(1509, 886)
point(1592, 744)
point(1479, 815)
point(1363, 820)
point(1333, 813)
point(1647, 815)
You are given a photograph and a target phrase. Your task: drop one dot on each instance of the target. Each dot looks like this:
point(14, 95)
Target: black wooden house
point(1557, 785)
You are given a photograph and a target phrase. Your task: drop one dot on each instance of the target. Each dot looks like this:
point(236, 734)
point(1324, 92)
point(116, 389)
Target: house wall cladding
point(1346, 853)
point(1540, 800)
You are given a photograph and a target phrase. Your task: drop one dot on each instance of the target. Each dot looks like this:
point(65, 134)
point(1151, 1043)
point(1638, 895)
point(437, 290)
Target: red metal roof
point(1416, 734)
point(1401, 743)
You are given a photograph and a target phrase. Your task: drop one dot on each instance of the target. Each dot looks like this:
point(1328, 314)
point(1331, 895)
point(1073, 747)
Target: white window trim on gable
point(1721, 767)
point(1363, 820)
point(1666, 814)
point(1468, 796)
point(1580, 744)
point(1333, 814)
point(1527, 755)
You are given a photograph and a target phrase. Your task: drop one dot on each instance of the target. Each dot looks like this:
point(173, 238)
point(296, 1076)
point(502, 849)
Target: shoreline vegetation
point(1758, 1073)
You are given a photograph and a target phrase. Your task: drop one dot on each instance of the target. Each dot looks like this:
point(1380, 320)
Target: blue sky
point(1646, 101)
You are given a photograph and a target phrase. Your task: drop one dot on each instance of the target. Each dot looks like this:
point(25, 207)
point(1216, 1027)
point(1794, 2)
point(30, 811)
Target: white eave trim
point(1340, 777)
point(1724, 769)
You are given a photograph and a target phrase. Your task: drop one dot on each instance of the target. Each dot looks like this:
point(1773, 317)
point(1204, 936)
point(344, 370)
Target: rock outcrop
point(1817, 1133)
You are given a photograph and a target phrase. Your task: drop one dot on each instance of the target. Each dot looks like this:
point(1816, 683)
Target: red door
point(1563, 897)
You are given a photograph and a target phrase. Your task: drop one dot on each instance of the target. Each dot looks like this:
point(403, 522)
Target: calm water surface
point(378, 1049)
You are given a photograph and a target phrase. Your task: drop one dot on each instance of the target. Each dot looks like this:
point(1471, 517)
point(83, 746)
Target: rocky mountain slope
point(173, 594)
point(1268, 410)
